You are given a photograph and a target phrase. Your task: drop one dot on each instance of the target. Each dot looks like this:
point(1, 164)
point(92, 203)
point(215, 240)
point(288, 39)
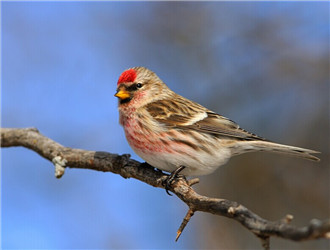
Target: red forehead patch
point(127, 76)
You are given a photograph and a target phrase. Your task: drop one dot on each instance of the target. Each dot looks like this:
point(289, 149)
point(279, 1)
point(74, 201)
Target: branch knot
point(59, 163)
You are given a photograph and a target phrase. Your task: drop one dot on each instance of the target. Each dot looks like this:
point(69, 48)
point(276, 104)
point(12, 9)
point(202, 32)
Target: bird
point(175, 134)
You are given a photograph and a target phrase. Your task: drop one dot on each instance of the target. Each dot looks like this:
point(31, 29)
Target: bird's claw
point(169, 179)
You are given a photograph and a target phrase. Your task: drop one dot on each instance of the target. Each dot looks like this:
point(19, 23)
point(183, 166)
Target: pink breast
point(145, 140)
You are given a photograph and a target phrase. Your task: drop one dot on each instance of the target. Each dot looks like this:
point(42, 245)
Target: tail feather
point(281, 148)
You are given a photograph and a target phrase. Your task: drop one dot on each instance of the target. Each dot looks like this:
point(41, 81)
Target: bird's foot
point(169, 180)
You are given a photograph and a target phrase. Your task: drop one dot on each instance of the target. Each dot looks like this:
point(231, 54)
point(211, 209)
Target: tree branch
point(122, 164)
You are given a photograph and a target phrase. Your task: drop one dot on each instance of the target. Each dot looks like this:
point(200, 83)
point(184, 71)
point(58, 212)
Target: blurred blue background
point(264, 65)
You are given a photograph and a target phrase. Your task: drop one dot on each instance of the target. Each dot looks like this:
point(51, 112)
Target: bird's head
point(138, 86)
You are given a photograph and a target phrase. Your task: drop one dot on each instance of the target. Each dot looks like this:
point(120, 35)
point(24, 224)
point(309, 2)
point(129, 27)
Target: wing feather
point(185, 114)
point(220, 125)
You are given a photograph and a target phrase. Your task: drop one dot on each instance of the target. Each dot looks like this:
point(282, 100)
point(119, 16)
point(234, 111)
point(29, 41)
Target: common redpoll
point(168, 131)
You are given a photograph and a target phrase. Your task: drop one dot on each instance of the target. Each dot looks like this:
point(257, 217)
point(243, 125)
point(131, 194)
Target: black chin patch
point(125, 100)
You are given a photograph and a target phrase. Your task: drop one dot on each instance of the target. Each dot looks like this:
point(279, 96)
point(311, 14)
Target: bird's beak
point(122, 94)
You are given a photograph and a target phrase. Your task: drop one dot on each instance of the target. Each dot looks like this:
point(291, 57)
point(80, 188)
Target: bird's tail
point(279, 148)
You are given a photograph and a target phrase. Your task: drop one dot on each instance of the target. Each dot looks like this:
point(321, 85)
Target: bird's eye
point(139, 85)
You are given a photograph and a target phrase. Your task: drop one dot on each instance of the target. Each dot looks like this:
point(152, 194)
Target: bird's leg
point(168, 181)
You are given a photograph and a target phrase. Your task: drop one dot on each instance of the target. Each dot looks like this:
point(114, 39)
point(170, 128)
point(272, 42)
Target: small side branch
point(184, 223)
point(122, 164)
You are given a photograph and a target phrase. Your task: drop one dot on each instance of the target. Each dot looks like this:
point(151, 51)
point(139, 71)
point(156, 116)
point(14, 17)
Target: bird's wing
point(217, 124)
point(185, 114)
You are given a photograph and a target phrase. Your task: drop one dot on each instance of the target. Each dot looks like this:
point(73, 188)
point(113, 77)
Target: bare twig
point(265, 241)
point(184, 223)
point(122, 164)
